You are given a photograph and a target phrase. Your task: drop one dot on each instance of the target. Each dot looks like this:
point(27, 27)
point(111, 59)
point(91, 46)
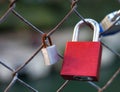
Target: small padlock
point(82, 59)
point(50, 53)
point(111, 23)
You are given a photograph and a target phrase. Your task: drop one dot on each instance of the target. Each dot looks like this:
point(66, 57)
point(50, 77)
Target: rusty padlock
point(111, 23)
point(82, 59)
point(49, 53)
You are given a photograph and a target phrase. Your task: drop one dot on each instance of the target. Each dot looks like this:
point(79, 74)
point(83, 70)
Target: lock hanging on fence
point(111, 23)
point(49, 53)
point(82, 59)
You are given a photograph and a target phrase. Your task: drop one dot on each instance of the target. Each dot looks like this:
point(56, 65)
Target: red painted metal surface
point(82, 61)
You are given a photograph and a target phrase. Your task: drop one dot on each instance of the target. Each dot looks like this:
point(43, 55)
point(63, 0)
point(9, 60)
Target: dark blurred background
point(18, 42)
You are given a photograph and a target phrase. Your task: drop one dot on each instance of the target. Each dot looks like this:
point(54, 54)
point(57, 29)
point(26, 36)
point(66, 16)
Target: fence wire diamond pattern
point(15, 72)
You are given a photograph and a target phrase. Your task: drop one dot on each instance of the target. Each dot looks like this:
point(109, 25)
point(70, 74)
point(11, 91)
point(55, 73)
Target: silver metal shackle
point(94, 25)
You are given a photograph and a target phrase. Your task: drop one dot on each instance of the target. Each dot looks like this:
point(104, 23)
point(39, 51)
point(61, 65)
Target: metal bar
point(113, 51)
point(111, 80)
point(81, 17)
point(61, 22)
point(26, 85)
point(94, 85)
point(50, 33)
point(63, 85)
point(11, 83)
point(22, 66)
point(26, 22)
point(5, 65)
point(3, 18)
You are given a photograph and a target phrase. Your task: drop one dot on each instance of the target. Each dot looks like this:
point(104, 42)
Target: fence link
point(15, 72)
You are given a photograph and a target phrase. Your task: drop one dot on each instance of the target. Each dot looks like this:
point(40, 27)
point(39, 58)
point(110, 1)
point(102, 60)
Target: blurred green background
point(46, 14)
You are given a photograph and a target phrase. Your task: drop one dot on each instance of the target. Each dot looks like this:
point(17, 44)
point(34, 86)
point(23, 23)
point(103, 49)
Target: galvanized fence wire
point(15, 78)
point(15, 73)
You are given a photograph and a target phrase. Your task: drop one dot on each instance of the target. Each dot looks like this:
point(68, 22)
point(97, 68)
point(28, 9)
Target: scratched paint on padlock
point(82, 59)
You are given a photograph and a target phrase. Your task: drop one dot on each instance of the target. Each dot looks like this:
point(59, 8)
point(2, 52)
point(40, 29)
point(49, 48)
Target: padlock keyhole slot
point(83, 78)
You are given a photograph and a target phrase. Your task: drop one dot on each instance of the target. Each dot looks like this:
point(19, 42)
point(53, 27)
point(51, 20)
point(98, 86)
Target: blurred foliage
point(45, 14)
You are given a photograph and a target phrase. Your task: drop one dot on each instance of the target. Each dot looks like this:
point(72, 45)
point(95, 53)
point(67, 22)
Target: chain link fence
point(15, 72)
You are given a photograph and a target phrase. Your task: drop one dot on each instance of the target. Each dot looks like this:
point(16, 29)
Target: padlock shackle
point(44, 37)
point(116, 15)
point(111, 23)
point(94, 25)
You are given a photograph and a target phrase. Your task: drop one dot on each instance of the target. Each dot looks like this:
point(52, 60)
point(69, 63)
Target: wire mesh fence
point(15, 72)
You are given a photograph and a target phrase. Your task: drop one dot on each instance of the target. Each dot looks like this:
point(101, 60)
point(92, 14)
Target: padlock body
point(108, 26)
point(50, 55)
point(81, 61)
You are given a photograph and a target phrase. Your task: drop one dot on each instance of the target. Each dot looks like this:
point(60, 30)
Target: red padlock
point(82, 59)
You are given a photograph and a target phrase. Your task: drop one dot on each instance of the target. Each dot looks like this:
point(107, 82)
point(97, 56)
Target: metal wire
point(26, 85)
point(16, 72)
point(11, 83)
point(5, 65)
point(62, 86)
point(26, 22)
point(110, 81)
point(4, 17)
point(94, 85)
point(15, 78)
point(109, 48)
